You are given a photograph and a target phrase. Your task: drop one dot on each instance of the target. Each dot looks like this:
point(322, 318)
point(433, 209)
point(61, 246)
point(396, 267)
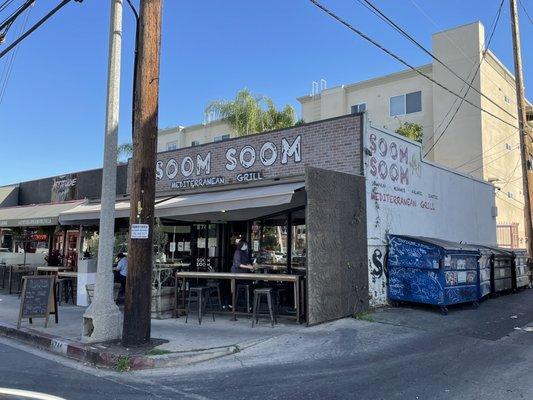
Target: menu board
point(37, 298)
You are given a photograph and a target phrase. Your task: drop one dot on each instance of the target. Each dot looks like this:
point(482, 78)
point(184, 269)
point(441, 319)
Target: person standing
point(241, 258)
point(121, 272)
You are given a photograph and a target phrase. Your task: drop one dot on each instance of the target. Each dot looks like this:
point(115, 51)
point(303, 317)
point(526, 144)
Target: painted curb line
point(107, 359)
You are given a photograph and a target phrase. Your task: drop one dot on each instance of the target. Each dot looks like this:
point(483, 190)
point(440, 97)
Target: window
point(508, 146)
point(406, 104)
point(358, 108)
point(507, 99)
point(195, 143)
point(510, 195)
point(221, 138)
point(172, 145)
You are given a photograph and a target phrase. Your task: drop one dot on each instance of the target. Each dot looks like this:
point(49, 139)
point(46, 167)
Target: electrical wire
point(370, 6)
point(401, 60)
point(36, 26)
point(9, 65)
point(493, 160)
point(525, 11)
point(471, 81)
point(5, 4)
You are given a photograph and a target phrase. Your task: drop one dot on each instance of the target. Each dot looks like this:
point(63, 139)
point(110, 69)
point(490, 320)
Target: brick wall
point(333, 144)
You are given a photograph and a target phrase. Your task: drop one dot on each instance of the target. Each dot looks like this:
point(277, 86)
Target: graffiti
point(377, 263)
point(417, 285)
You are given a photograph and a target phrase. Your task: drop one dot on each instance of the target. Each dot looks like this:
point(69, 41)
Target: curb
point(107, 359)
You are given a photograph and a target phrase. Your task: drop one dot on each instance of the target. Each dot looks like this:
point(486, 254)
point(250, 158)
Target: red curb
point(71, 349)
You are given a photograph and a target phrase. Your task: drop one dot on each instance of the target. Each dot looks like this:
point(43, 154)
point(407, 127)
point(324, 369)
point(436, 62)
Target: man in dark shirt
point(241, 258)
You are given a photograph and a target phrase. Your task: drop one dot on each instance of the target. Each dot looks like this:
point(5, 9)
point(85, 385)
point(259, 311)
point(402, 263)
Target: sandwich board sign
point(38, 299)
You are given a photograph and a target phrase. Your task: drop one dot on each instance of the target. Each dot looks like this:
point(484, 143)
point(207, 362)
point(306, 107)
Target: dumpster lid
point(498, 251)
point(444, 244)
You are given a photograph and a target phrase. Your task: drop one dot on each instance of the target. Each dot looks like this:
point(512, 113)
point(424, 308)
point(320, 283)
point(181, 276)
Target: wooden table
point(67, 274)
point(51, 270)
point(233, 277)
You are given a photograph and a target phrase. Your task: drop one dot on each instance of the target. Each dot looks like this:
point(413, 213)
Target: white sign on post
point(139, 231)
point(172, 247)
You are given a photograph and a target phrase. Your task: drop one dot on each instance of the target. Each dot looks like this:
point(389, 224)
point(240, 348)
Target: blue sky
point(52, 115)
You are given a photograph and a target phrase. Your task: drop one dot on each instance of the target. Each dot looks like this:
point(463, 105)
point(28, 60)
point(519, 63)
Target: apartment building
point(194, 135)
point(463, 138)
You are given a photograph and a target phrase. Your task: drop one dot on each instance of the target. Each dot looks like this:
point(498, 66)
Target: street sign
point(139, 231)
point(172, 247)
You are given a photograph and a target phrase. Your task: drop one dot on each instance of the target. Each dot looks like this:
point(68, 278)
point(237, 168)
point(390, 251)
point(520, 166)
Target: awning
point(91, 212)
point(225, 204)
point(34, 215)
point(238, 204)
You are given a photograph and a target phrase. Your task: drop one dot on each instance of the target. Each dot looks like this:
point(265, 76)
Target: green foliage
point(249, 113)
point(367, 316)
point(411, 131)
point(123, 364)
point(125, 151)
point(157, 352)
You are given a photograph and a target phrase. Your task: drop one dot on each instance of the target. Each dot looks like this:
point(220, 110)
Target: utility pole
point(522, 123)
point(102, 320)
point(136, 331)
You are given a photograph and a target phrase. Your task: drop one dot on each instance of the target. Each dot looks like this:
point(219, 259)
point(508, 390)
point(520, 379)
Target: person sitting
point(121, 272)
point(241, 258)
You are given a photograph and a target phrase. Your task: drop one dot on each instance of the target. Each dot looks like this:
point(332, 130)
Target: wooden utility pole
point(136, 330)
point(522, 123)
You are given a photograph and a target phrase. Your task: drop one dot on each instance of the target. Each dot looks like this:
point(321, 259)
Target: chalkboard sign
point(38, 298)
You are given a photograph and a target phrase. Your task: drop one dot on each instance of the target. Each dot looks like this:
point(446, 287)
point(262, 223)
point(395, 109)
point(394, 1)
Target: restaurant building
point(315, 201)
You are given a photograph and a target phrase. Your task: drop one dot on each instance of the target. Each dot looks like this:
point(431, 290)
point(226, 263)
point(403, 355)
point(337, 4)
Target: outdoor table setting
point(15, 269)
point(233, 277)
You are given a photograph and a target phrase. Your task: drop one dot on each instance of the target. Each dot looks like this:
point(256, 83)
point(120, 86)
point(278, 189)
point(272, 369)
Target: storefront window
point(299, 240)
point(269, 240)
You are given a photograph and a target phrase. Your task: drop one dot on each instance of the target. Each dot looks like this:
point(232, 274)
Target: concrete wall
point(337, 274)
point(410, 196)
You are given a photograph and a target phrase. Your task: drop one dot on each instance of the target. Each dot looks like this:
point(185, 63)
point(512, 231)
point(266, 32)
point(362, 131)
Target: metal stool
point(65, 290)
point(243, 287)
point(258, 294)
point(201, 293)
point(214, 287)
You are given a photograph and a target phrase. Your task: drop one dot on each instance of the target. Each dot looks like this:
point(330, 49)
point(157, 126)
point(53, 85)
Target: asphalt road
point(408, 354)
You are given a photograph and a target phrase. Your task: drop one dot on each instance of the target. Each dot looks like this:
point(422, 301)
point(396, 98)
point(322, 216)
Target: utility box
point(432, 271)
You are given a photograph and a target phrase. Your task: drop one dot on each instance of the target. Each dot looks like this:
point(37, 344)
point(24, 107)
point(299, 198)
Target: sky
point(53, 112)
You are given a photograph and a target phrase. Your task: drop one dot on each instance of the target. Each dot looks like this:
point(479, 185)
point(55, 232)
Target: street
point(394, 353)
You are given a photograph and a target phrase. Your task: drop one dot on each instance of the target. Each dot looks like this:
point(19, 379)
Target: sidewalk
point(174, 342)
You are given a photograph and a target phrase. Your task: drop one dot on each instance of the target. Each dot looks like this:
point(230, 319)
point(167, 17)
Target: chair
point(258, 295)
point(202, 296)
point(65, 290)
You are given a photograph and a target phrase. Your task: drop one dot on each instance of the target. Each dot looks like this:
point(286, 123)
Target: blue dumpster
point(432, 271)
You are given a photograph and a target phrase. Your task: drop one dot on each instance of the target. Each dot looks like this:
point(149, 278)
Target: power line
point(401, 60)
point(5, 4)
point(369, 5)
point(471, 81)
point(525, 11)
point(494, 160)
point(36, 26)
point(9, 65)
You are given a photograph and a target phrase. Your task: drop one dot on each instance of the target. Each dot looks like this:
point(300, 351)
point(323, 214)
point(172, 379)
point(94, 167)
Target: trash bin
point(521, 270)
point(432, 271)
point(501, 265)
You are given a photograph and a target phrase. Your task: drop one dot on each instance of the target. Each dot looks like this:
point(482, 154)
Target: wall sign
point(64, 188)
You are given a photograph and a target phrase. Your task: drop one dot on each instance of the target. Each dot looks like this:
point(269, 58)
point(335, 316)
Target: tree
point(248, 113)
point(125, 151)
point(411, 131)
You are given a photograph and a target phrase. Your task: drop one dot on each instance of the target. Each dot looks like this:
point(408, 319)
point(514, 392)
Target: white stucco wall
point(421, 199)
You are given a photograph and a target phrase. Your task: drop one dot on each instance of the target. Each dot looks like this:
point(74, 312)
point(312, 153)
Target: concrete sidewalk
point(174, 341)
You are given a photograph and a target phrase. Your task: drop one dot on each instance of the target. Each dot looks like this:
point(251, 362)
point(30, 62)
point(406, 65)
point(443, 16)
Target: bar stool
point(214, 286)
point(258, 295)
point(243, 288)
point(202, 298)
point(65, 290)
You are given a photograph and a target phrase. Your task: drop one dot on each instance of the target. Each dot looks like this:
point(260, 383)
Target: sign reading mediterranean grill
point(333, 145)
